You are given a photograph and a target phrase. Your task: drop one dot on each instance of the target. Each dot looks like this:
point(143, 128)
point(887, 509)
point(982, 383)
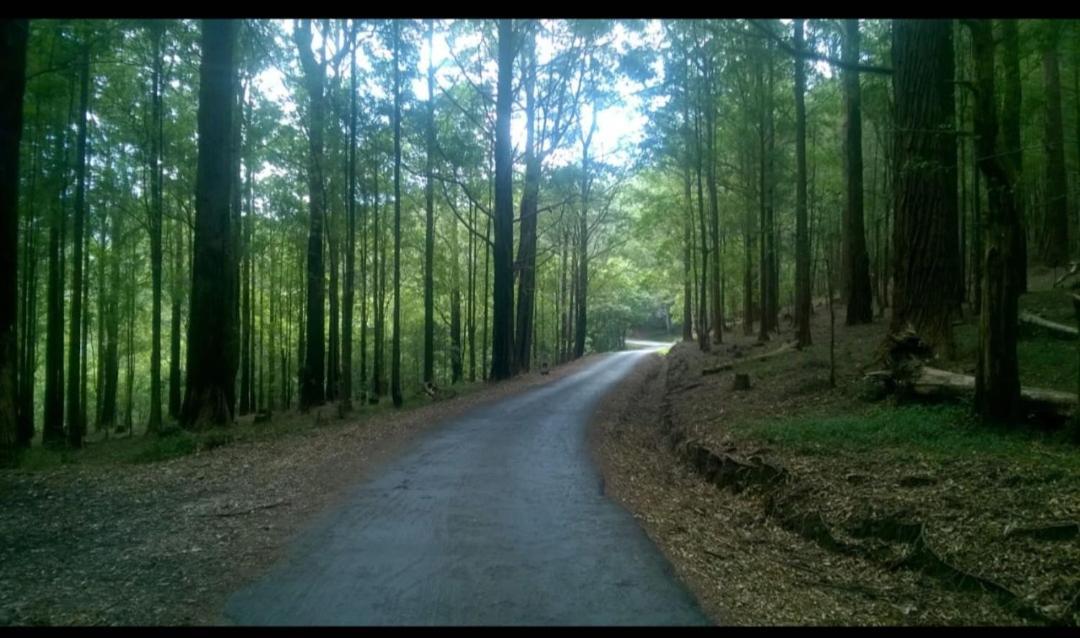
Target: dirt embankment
point(766, 532)
point(165, 543)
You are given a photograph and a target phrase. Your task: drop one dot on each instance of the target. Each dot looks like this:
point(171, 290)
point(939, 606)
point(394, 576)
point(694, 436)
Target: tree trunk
point(156, 141)
point(110, 384)
point(715, 290)
point(703, 295)
point(502, 329)
point(484, 329)
point(26, 353)
point(470, 306)
point(129, 373)
point(581, 281)
point(350, 244)
point(53, 426)
point(772, 253)
point(26, 349)
point(378, 283)
point(1010, 134)
point(456, 368)
point(333, 341)
point(856, 261)
point(312, 377)
point(174, 332)
point(364, 389)
point(210, 389)
point(74, 409)
point(429, 219)
point(1056, 224)
point(13, 37)
point(764, 229)
point(688, 213)
point(997, 377)
point(245, 318)
point(526, 260)
point(395, 354)
point(240, 320)
point(688, 245)
point(802, 236)
point(926, 260)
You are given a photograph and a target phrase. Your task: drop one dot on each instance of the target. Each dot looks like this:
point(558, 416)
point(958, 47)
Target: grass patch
point(40, 458)
point(161, 448)
point(173, 442)
point(1055, 305)
point(945, 431)
point(1045, 362)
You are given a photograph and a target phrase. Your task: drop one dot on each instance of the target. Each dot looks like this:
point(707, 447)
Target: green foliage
point(165, 448)
point(1046, 361)
point(945, 431)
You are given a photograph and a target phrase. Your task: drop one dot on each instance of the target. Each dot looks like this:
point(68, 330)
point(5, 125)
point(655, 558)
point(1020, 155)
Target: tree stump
point(742, 381)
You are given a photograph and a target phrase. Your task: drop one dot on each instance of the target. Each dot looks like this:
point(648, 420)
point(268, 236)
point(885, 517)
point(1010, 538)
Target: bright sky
point(619, 128)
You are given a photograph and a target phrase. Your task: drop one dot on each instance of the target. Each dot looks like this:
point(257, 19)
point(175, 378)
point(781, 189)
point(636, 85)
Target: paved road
point(495, 518)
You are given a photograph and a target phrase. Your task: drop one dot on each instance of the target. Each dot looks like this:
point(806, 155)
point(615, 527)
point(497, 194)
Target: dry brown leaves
point(746, 569)
point(165, 543)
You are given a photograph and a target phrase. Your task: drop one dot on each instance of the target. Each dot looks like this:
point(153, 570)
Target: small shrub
point(215, 438)
point(160, 448)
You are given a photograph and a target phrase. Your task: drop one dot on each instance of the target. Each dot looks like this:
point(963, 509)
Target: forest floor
point(160, 530)
point(797, 503)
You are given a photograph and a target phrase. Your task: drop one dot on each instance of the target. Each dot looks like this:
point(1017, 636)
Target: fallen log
point(1055, 531)
point(1061, 330)
point(727, 365)
point(933, 382)
point(1074, 268)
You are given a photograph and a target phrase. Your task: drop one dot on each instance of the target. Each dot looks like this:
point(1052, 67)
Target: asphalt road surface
point(497, 517)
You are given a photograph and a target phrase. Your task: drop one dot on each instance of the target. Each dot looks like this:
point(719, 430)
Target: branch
point(457, 214)
point(811, 55)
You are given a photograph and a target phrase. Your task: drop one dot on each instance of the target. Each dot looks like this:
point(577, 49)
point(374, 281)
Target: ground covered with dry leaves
point(777, 511)
point(165, 543)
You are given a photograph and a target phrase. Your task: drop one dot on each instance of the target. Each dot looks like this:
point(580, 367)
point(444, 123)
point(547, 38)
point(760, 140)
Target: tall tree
point(856, 261)
point(210, 388)
point(378, 281)
point(395, 345)
point(1010, 134)
point(526, 259)
point(716, 288)
point(429, 209)
point(765, 231)
point(75, 425)
point(802, 238)
point(350, 250)
point(688, 201)
point(703, 292)
point(925, 261)
point(13, 37)
point(1056, 215)
point(157, 32)
point(581, 281)
point(176, 300)
point(502, 329)
point(311, 385)
point(111, 383)
point(997, 378)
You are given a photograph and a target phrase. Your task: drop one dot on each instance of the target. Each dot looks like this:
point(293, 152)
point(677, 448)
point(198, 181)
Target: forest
point(208, 222)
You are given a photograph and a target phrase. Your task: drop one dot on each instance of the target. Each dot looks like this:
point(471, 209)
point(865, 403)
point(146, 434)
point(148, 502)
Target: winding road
point(497, 517)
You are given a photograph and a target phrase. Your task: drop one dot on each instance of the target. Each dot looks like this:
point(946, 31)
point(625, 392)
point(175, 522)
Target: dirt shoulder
point(774, 510)
point(165, 543)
